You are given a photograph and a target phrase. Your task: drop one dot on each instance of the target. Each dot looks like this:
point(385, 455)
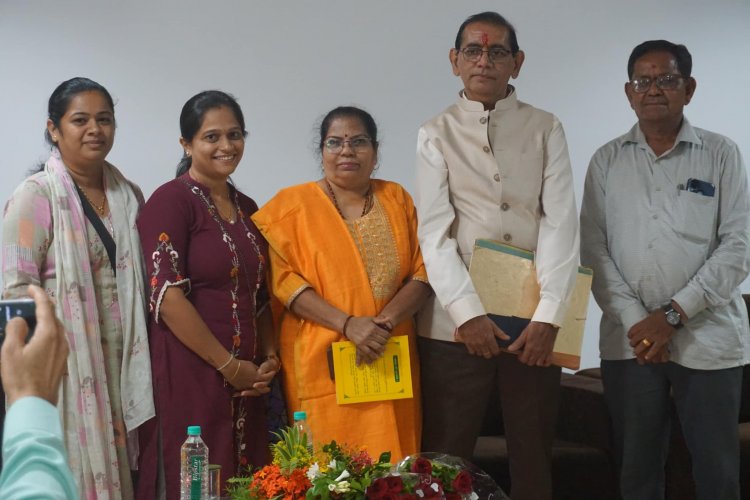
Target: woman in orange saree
point(346, 264)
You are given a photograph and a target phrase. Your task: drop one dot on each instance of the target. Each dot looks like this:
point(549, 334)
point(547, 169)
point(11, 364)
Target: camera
point(24, 308)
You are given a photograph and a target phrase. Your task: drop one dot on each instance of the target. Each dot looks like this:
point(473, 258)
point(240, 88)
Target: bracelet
point(346, 322)
point(231, 357)
point(239, 364)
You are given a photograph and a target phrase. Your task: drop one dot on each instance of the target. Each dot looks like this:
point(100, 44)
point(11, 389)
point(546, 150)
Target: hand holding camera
point(34, 369)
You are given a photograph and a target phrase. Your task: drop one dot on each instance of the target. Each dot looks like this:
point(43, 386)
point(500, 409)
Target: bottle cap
point(194, 430)
point(300, 415)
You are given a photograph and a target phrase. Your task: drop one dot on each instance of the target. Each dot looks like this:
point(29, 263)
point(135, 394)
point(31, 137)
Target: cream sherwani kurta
point(501, 174)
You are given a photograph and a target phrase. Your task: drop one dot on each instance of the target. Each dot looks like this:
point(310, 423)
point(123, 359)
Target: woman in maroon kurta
point(210, 333)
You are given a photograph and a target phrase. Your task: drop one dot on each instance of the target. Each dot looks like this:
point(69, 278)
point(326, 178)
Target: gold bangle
point(239, 364)
point(231, 357)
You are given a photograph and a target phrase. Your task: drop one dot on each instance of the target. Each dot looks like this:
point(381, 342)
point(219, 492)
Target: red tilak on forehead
point(485, 39)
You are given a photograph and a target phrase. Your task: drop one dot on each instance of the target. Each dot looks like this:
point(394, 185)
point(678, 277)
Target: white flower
point(435, 487)
point(342, 487)
point(473, 496)
point(332, 464)
point(313, 471)
point(420, 493)
point(342, 476)
point(331, 487)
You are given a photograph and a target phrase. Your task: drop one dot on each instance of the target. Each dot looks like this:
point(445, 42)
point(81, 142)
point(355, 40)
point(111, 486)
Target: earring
point(187, 153)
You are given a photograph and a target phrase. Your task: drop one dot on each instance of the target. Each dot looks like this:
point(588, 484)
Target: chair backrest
point(745, 401)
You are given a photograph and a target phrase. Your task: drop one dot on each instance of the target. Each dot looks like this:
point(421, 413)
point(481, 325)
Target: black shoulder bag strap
point(107, 240)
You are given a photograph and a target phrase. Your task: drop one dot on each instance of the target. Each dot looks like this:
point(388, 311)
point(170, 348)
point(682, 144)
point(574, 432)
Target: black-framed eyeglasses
point(335, 145)
point(473, 53)
point(668, 81)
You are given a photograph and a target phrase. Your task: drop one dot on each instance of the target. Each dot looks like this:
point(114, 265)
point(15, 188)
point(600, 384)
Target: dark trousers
point(708, 405)
point(456, 387)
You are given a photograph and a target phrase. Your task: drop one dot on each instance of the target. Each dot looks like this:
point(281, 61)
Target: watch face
point(673, 318)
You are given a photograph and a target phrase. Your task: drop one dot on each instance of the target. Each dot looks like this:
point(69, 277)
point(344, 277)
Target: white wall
point(290, 62)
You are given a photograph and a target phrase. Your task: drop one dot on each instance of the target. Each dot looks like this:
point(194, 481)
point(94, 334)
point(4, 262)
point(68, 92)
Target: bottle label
point(196, 469)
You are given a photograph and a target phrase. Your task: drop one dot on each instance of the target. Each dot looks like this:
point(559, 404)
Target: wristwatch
point(674, 318)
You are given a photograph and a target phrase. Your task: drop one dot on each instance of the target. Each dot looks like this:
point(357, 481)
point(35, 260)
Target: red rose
point(389, 496)
point(452, 496)
point(432, 490)
point(377, 488)
point(395, 484)
point(421, 466)
point(462, 483)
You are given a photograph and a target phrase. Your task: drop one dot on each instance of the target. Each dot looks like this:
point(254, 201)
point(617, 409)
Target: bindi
point(485, 39)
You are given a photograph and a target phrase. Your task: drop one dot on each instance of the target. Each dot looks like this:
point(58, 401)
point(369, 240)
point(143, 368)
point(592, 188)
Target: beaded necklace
point(365, 207)
point(237, 261)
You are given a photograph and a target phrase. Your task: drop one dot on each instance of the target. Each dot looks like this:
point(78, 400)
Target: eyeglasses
point(334, 145)
point(474, 53)
point(668, 81)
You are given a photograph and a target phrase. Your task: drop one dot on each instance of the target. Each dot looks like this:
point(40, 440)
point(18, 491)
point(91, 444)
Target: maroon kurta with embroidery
point(220, 266)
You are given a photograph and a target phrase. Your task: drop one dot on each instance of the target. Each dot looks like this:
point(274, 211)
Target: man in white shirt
point(664, 225)
point(34, 460)
point(490, 166)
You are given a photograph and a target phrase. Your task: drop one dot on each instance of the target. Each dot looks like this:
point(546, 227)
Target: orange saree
point(357, 267)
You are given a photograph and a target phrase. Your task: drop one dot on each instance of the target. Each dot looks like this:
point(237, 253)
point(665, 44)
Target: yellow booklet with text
point(389, 377)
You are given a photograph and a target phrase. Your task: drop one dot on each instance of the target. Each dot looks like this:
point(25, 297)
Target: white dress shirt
point(650, 240)
point(502, 174)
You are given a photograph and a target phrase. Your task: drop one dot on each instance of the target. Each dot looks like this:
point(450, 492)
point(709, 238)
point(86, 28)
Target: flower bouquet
point(340, 472)
point(334, 472)
point(435, 475)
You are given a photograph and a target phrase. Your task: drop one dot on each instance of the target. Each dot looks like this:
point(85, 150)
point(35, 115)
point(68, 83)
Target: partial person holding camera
point(34, 460)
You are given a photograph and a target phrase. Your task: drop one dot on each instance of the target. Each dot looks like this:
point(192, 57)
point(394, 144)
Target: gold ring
point(646, 342)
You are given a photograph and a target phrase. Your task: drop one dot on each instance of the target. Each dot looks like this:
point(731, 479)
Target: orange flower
point(269, 482)
point(236, 341)
point(234, 272)
point(163, 237)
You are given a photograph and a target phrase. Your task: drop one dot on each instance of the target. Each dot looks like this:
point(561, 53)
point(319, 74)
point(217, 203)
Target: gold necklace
point(365, 207)
point(232, 218)
point(99, 208)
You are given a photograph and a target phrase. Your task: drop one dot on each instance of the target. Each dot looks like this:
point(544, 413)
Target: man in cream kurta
point(493, 167)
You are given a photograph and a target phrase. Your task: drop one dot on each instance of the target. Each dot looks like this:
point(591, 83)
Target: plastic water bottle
point(194, 466)
point(300, 423)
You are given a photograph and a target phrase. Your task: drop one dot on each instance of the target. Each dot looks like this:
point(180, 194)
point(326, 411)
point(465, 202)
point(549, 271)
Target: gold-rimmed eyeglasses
point(335, 145)
point(668, 81)
point(473, 53)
